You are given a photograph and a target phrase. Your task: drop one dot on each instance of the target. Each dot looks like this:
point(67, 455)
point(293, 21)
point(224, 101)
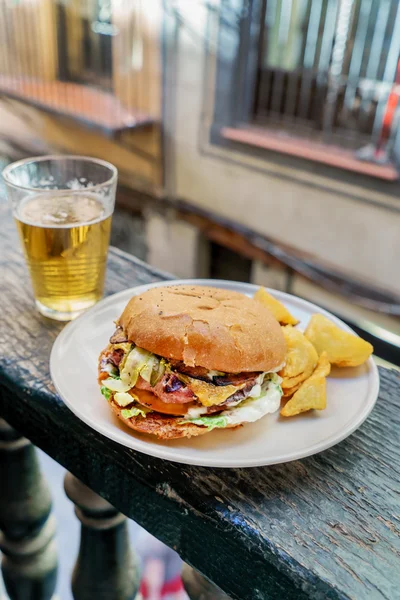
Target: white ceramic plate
point(351, 392)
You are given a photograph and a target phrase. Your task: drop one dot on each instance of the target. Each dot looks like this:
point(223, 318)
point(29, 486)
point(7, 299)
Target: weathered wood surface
point(326, 527)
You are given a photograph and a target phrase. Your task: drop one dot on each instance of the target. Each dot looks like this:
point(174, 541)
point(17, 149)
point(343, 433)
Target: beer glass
point(63, 207)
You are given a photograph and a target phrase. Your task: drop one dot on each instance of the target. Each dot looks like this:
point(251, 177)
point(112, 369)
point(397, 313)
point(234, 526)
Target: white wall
point(362, 237)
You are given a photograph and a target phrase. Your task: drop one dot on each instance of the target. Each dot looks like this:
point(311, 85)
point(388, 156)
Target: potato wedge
point(343, 349)
point(301, 357)
point(279, 311)
point(312, 393)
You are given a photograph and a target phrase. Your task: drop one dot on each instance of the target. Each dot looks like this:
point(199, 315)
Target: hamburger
point(187, 359)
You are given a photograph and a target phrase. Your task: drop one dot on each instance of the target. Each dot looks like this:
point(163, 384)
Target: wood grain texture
point(326, 527)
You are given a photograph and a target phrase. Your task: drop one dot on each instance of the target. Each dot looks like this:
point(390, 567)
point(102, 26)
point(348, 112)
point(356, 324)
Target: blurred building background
point(255, 139)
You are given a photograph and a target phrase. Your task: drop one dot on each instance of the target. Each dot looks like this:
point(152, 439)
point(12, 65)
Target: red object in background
point(161, 570)
point(170, 590)
point(378, 153)
point(390, 111)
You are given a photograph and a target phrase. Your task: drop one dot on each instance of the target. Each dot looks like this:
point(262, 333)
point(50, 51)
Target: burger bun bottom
point(165, 427)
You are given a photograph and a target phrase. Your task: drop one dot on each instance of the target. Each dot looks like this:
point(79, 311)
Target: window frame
point(237, 66)
point(233, 124)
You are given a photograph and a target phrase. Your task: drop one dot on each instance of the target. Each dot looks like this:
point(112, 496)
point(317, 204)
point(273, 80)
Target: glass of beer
point(63, 207)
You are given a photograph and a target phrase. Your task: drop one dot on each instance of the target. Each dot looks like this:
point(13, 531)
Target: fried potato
point(301, 357)
point(288, 392)
point(312, 393)
point(293, 383)
point(279, 311)
point(343, 349)
point(323, 367)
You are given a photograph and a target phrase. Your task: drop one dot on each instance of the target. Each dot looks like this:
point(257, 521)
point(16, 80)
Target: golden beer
point(65, 239)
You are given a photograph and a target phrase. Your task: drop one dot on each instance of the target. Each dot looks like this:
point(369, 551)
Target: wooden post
point(29, 564)
point(198, 587)
point(106, 567)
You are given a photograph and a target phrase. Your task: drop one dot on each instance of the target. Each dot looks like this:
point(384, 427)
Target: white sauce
point(249, 410)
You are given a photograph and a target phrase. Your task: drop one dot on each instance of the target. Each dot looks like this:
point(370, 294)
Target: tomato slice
point(151, 401)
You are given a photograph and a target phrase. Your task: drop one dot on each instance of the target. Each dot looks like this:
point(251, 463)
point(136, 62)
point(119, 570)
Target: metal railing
point(328, 69)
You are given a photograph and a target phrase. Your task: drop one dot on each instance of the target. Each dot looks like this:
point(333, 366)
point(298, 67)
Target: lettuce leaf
point(127, 413)
point(209, 422)
point(136, 360)
point(106, 392)
point(143, 363)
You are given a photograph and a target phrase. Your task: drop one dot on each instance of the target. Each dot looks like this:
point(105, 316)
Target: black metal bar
point(357, 56)
point(389, 74)
point(280, 69)
point(258, 97)
point(341, 38)
point(241, 105)
point(380, 26)
point(310, 56)
point(267, 77)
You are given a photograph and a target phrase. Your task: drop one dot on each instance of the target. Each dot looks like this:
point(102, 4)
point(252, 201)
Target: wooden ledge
point(87, 105)
point(322, 527)
point(333, 156)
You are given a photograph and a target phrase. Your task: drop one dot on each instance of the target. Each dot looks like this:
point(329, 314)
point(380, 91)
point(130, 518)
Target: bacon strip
point(169, 389)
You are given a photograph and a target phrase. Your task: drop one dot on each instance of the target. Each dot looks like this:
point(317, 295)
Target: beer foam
point(66, 210)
